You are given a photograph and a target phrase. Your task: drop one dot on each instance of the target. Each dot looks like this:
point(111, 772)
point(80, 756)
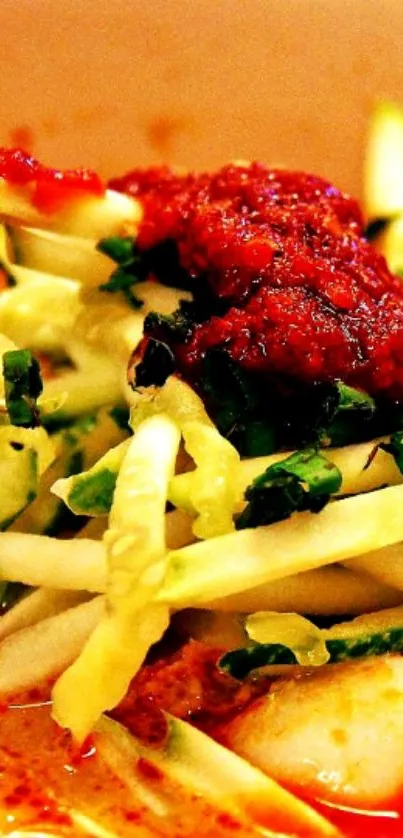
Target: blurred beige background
point(196, 82)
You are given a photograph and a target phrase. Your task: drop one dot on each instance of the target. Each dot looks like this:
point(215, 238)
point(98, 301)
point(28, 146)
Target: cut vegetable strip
point(69, 256)
point(87, 389)
point(240, 561)
point(366, 636)
point(208, 769)
point(360, 470)
point(42, 651)
point(213, 489)
point(213, 484)
point(385, 565)
point(40, 605)
point(37, 560)
point(90, 216)
point(22, 312)
point(36, 439)
point(25, 453)
point(136, 566)
point(304, 639)
point(324, 591)
point(19, 481)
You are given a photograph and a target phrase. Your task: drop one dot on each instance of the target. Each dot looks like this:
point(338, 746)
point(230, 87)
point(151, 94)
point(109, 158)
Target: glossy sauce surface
point(285, 280)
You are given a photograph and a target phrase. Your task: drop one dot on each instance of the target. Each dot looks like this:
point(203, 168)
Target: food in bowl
point(200, 505)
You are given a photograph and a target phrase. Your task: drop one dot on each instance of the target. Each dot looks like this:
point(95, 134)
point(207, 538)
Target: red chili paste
point(303, 293)
point(51, 188)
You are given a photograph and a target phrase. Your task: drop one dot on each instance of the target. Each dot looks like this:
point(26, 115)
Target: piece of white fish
point(337, 732)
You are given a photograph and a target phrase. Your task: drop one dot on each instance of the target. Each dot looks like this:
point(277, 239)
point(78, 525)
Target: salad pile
point(201, 411)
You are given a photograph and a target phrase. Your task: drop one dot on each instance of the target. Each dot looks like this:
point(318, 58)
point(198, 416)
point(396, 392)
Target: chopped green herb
point(157, 364)
point(120, 416)
point(118, 249)
point(352, 399)
point(306, 480)
point(376, 227)
point(23, 386)
point(345, 644)
point(240, 409)
point(94, 492)
point(259, 421)
point(177, 326)
point(129, 271)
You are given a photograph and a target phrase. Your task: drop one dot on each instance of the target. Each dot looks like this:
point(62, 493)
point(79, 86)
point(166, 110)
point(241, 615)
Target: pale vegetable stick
point(136, 556)
point(38, 560)
point(48, 252)
point(243, 560)
point(86, 389)
point(324, 591)
point(351, 460)
point(39, 652)
point(90, 216)
point(385, 565)
point(198, 764)
point(41, 604)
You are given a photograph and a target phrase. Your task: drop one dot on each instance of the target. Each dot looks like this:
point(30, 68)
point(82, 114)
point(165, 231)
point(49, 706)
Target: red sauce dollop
point(51, 188)
point(300, 292)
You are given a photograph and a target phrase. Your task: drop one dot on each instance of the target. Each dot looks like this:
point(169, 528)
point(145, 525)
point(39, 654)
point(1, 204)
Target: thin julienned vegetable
point(135, 543)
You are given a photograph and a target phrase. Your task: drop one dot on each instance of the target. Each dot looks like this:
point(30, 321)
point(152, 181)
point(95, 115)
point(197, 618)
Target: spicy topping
point(283, 278)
